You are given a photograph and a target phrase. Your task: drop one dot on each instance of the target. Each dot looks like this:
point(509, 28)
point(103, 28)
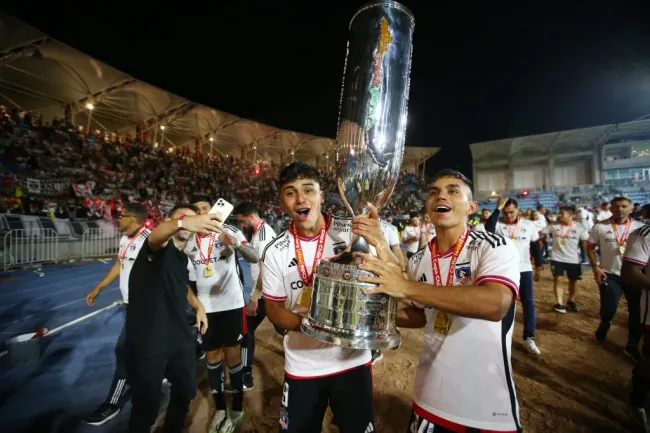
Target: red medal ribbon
point(122, 254)
point(198, 243)
point(564, 235)
point(302, 268)
point(260, 224)
point(433, 247)
point(621, 241)
point(513, 233)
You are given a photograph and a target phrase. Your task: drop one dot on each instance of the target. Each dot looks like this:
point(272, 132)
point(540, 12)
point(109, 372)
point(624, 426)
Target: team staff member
point(131, 223)
point(567, 236)
point(610, 236)
point(220, 288)
point(462, 287)
point(316, 373)
point(260, 234)
point(159, 343)
point(524, 235)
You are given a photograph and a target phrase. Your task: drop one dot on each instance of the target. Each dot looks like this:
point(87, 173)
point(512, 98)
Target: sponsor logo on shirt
point(295, 285)
point(282, 244)
point(341, 226)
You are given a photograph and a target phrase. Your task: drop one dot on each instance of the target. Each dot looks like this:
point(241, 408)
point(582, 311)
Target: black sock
point(237, 384)
point(640, 388)
point(215, 377)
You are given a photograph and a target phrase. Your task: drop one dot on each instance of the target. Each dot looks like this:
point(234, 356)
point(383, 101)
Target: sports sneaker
point(531, 347)
point(572, 307)
point(232, 421)
point(632, 350)
point(103, 414)
point(601, 332)
point(559, 308)
point(249, 384)
point(218, 421)
point(639, 418)
point(377, 356)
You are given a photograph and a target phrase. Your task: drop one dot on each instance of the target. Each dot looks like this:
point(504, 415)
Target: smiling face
point(449, 202)
point(301, 199)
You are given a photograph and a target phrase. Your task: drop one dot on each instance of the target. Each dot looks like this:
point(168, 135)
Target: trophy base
point(351, 339)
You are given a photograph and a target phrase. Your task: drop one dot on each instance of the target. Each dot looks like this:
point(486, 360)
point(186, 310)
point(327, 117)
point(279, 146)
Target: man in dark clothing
point(159, 343)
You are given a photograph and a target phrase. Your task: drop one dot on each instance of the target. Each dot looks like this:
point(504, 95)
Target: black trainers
point(601, 332)
point(633, 352)
point(377, 356)
point(559, 308)
point(249, 384)
point(572, 307)
point(103, 414)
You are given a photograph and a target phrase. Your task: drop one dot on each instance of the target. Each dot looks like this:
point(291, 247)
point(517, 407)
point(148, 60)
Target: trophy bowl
point(371, 133)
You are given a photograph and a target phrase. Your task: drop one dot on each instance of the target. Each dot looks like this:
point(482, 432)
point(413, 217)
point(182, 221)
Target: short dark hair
point(138, 211)
point(298, 170)
point(645, 211)
point(621, 198)
point(485, 209)
point(201, 197)
point(511, 202)
point(183, 206)
point(540, 207)
point(246, 208)
point(568, 208)
point(448, 172)
point(413, 214)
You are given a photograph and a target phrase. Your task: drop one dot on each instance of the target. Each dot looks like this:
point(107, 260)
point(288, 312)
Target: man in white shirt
point(605, 212)
point(317, 374)
point(634, 272)
point(131, 223)
point(260, 234)
point(220, 289)
point(462, 288)
point(524, 235)
point(411, 235)
point(610, 236)
point(565, 256)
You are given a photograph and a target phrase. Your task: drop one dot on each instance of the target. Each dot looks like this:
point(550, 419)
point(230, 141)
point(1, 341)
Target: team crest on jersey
point(463, 274)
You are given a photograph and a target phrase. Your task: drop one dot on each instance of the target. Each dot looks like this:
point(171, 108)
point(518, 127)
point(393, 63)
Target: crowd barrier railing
point(24, 247)
point(98, 242)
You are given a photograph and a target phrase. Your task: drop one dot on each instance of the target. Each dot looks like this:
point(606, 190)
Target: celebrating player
point(567, 236)
point(524, 235)
point(610, 236)
point(462, 286)
point(316, 373)
point(220, 289)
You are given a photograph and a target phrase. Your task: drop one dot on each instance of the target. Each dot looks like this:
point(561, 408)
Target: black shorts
point(225, 329)
point(349, 395)
point(573, 270)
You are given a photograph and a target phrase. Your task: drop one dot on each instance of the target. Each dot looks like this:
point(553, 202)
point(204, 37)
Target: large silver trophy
point(372, 125)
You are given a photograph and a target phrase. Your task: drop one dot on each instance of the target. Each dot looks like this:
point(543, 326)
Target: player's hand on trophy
point(368, 226)
point(389, 278)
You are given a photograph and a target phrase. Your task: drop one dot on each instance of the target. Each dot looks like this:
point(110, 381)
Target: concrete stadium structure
point(616, 154)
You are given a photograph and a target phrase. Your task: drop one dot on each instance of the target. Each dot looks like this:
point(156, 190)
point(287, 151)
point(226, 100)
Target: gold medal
point(563, 242)
point(304, 298)
point(621, 249)
point(122, 263)
point(207, 272)
point(442, 323)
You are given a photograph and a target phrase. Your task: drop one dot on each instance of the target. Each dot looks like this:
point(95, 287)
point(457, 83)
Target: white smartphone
point(223, 209)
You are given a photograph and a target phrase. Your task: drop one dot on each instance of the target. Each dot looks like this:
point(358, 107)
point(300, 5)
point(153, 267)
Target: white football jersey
point(129, 249)
point(411, 231)
point(465, 377)
point(260, 239)
point(223, 290)
point(637, 251)
point(306, 357)
point(521, 234)
point(602, 235)
point(569, 251)
point(539, 223)
point(390, 233)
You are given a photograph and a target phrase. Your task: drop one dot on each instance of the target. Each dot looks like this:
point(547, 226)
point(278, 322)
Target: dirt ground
point(576, 385)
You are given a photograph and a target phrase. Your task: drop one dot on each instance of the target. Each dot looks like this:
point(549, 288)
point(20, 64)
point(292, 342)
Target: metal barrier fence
point(99, 243)
point(29, 246)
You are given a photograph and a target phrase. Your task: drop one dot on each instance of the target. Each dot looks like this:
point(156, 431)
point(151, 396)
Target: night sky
point(480, 72)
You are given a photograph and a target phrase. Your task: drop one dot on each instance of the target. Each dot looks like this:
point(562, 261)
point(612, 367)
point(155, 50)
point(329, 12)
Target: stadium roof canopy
point(40, 74)
point(571, 143)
